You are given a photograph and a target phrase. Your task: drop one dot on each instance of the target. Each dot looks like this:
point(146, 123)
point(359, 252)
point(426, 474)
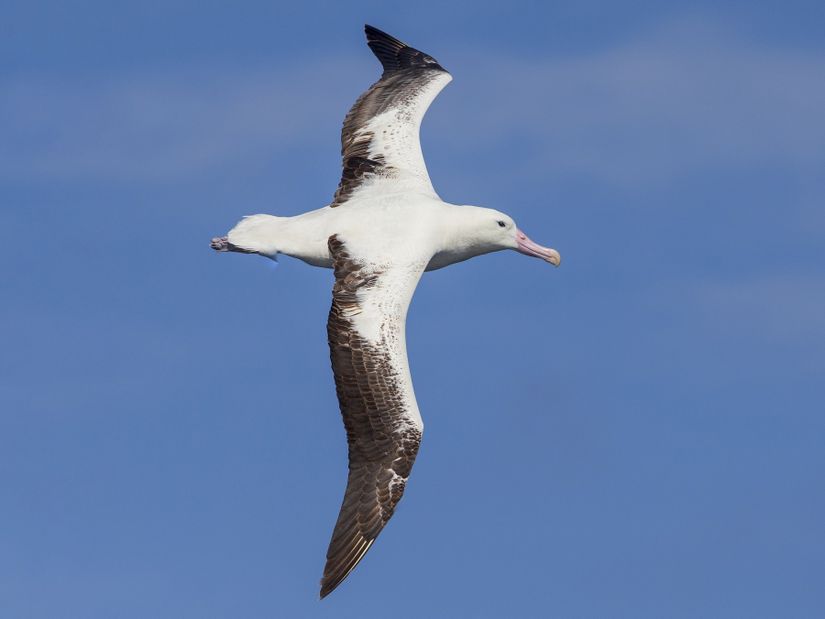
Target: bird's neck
point(458, 237)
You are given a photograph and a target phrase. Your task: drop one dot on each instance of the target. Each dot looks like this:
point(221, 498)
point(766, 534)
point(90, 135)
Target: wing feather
point(380, 144)
point(377, 403)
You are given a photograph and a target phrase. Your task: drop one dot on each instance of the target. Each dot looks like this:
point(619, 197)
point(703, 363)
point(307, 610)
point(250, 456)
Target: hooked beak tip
point(529, 248)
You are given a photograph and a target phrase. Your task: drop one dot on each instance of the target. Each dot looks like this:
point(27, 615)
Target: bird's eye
point(501, 224)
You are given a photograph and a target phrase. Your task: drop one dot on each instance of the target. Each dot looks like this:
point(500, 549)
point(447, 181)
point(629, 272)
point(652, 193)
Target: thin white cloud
point(686, 98)
point(155, 127)
point(769, 307)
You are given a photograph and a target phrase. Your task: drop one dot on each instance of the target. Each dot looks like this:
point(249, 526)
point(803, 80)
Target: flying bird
point(385, 226)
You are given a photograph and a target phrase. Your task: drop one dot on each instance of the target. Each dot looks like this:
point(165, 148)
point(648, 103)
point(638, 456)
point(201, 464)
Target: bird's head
point(487, 230)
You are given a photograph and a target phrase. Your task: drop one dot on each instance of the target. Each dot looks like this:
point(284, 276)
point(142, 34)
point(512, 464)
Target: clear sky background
point(636, 434)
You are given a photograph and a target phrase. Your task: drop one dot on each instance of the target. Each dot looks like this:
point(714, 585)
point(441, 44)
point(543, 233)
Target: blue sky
point(636, 434)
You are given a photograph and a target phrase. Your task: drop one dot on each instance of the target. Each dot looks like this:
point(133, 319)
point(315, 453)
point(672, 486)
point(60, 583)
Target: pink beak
point(529, 248)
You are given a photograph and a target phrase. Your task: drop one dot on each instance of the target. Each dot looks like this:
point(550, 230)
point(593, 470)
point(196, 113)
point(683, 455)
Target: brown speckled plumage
point(406, 72)
point(394, 227)
point(383, 440)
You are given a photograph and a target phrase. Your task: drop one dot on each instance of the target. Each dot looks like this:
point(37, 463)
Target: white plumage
point(385, 226)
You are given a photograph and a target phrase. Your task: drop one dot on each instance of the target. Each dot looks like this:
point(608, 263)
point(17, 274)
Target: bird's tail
point(254, 234)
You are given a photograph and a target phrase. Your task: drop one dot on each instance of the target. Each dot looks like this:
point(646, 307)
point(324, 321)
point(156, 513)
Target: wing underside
point(380, 144)
point(376, 400)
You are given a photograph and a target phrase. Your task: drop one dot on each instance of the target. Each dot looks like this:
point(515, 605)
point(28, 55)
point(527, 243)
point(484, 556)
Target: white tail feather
point(257, 233)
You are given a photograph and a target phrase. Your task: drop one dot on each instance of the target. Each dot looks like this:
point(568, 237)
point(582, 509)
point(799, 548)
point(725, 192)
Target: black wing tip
point(337, 568)
point(330, 582)
point(395, 55)
point(374, 34)
point(328, 586)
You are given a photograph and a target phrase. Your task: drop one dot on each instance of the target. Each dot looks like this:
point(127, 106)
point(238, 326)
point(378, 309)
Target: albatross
point(383, 229)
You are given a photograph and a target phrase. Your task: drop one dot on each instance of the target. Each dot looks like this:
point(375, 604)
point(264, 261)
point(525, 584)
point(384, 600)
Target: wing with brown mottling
point(372, 380)
point(379, 139)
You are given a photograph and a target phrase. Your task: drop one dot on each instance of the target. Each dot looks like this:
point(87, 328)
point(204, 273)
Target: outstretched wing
point(372, 379)
point(379, 141)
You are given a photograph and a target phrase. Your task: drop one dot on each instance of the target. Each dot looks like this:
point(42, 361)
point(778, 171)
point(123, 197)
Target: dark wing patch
point(396, 55)
point(383, 441)
point(406, 72)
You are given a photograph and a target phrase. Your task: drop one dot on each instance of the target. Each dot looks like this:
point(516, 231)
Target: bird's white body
point(401, 227)
point(385, 226)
